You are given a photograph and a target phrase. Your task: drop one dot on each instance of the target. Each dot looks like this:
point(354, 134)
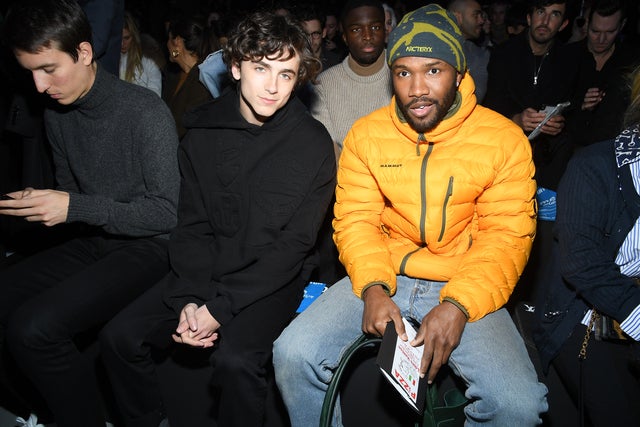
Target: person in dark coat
point(591, 279)
point(528, 73)
point(602, 90)
point(190, 42)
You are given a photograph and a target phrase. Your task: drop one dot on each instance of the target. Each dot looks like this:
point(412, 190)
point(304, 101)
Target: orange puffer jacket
point(455, 204)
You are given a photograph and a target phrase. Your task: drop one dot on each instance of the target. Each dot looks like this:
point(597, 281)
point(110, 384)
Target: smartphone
point(550, 111)
point(5, 197)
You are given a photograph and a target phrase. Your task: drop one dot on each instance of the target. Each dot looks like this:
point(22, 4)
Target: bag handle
point(330, 398)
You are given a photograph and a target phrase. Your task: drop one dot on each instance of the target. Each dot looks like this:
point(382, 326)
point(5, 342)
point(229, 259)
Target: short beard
point(442, 108)
point(541, 40)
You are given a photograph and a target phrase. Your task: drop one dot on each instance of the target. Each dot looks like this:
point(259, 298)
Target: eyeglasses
point(315, 35)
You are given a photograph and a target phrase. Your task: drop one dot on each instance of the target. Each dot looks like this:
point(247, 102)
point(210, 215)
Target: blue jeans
point(502, 384)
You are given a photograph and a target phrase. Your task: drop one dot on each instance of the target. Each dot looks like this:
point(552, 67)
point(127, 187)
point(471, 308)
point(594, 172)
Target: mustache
point(422, 100)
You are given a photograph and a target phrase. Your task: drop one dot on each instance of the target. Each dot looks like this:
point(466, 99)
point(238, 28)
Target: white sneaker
point(32, 421)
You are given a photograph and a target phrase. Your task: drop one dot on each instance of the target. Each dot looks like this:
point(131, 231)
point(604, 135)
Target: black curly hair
point(267, 35)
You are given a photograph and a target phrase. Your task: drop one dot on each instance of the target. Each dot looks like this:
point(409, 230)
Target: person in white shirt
point(134, 67)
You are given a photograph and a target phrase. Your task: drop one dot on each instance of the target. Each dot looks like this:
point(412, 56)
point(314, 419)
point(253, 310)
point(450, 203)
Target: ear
point(458, 16)
point(235, 70)
point(564, 24)
point(458, 78)
point(85, 53)
point(528, 19)
point(324, 32)
point(177, 43)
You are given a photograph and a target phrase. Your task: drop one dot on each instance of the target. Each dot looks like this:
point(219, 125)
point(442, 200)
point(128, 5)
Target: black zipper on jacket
point(403, 264)
point(423, 195)
point(423, 200)
point(444, 208)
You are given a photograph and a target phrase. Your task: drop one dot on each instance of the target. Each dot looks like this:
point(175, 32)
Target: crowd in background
point(175, 49)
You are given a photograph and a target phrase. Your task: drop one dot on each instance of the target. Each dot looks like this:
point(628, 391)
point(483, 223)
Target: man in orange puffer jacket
point(434, 220)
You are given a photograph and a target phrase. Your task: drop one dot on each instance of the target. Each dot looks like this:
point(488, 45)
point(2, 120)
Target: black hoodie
point(252, 199)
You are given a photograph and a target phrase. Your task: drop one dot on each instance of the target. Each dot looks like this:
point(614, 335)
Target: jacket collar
point(627, 146)
point(224, 112)
point(462, 107)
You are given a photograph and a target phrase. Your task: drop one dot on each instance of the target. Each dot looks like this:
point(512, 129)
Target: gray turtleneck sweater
point(115, 153)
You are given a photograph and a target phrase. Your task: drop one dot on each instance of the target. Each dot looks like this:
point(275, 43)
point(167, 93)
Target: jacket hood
point(217, 114)
point(466, 103)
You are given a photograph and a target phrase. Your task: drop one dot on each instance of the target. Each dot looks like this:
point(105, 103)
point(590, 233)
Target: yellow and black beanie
point(430, 32)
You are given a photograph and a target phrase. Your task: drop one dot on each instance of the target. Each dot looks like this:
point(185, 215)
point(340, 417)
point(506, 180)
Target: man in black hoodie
point(258, 173)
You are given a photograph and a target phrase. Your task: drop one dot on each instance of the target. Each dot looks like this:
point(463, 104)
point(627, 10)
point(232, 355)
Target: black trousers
point(49, 298)
point(240, 360)
point(611, 389)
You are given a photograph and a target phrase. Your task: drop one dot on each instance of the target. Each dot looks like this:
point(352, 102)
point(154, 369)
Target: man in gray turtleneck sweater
point(114, 147)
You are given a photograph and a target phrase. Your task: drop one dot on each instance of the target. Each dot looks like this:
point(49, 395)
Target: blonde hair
point(632, 115)
point(134, 54)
